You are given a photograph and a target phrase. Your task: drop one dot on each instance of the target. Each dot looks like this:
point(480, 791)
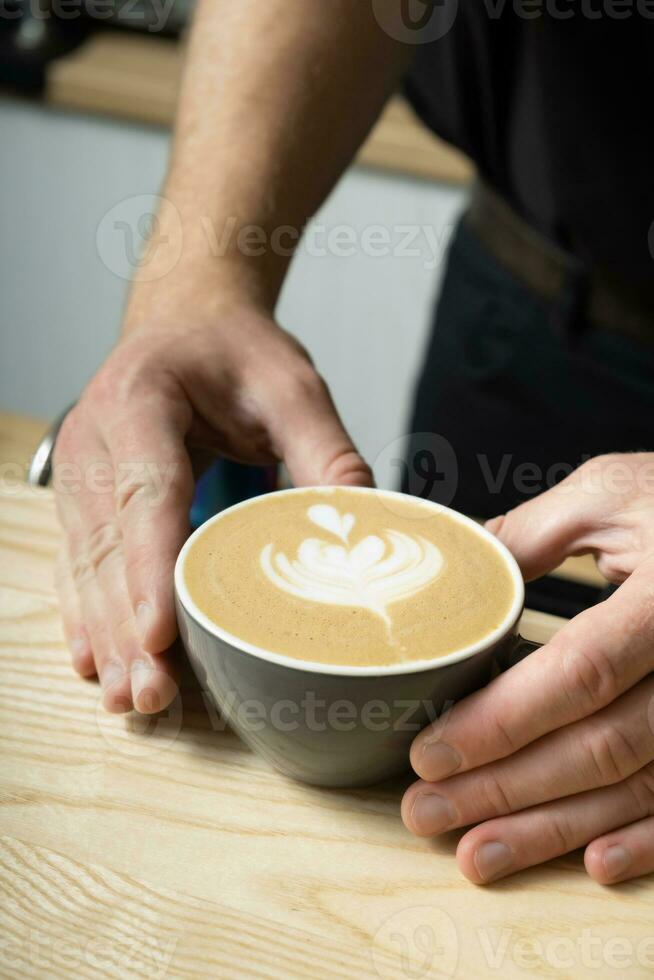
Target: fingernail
point(492, 859)
point(146, 698)
point(79, 648)
point(438, 760)
point(617, 860)
point(153, 688)
point(144, 618)
point(142, 673)
point(79, 645)
point(431, 813)
point(112, 673)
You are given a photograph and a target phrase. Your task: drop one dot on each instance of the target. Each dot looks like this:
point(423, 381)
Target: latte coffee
point(348, 577)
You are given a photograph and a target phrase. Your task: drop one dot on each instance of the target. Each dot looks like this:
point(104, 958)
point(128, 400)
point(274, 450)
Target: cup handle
point(516, 652)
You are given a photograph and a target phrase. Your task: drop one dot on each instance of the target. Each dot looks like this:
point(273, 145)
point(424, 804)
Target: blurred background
point(87, 98)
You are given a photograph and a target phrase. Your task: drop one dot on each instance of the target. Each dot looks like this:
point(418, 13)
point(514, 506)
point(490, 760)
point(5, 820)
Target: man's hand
point(558, 752)
point(165, 400)
point(275, 101)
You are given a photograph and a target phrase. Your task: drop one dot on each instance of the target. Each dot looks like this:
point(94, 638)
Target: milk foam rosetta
point(341, 576)
point(371, 574)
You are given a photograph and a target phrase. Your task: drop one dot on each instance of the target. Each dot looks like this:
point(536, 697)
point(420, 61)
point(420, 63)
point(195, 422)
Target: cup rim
point(351, 670)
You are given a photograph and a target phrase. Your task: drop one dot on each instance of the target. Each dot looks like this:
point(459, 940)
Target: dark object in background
point(562, 597)
point(35, 32)
point(167, 19)
point(225, 483)
point(515, 404)
point(31, 37)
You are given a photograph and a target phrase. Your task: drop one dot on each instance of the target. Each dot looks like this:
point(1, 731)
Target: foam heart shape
point(329, 519)
point(367, 553)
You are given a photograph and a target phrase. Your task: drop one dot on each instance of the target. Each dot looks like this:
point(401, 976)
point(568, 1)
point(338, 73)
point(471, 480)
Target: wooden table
point(168, 849)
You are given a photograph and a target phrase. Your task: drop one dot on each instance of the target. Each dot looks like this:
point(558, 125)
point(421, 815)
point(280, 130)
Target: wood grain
point(137, 78)
point(19, 437)
point(168, 849)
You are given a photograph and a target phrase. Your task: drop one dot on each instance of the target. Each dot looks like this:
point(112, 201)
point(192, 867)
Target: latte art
point(342, 575)
point(372, 574)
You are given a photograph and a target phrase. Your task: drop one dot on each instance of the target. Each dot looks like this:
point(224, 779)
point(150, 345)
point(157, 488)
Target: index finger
point(596, 657)
point(153, 495)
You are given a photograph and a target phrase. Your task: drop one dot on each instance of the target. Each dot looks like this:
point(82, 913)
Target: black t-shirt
point(556, 112)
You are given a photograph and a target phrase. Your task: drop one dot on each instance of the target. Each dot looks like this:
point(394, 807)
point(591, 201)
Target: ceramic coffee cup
point(337, 725)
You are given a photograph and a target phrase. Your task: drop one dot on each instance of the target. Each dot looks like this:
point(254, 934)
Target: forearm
point(277, 97)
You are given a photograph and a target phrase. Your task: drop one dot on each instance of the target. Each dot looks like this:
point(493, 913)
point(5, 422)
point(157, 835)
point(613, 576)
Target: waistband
point(580, 297)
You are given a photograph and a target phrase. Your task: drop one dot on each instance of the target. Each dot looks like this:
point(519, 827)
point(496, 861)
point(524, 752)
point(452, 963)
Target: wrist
point(197, 262)
point(195, 295)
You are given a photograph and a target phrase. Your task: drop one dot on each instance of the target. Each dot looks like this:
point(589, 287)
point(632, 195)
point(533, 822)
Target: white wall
point(363, 317)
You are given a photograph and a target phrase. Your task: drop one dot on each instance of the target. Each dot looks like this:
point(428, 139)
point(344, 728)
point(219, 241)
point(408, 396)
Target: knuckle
point(596, 464)
point(590, 679)
point(612, 753)
point(116, 375)
point(348, 467)
point(502, 737)
point(137, 372)
point(561, 831)
point(100, 639)
point(129, 492)
point(123, 628)
point(292, 374)
point(69, 435)
point(81, 571)
point(152, 483)
point(104, 543)
point(496, 796)
point(616, 567)
point(102, 388)
point(641, 787)
point(305, 384)
point(298, 347)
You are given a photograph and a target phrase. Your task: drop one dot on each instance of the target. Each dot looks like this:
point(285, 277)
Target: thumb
point(543, 532)
point(314, 445)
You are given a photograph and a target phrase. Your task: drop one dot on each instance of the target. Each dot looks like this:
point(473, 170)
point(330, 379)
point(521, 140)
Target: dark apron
point(509, 400)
